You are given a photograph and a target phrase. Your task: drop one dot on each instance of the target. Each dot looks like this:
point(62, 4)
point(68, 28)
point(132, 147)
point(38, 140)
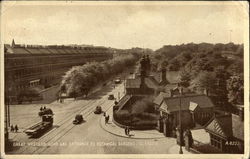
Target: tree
point(28, 93)
point(205, 81)
point(221, 87)
point(174, 65)
point(185, 78)
point(79, 80)
point(235, 87)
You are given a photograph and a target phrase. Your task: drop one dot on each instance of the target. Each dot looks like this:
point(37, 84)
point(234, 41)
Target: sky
point(123, 25)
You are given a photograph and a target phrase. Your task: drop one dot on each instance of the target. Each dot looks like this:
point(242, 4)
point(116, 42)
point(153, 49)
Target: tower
point(13, 43)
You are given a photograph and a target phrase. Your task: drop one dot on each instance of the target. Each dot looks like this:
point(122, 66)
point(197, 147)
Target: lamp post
point(7, 118)
point(180, 129)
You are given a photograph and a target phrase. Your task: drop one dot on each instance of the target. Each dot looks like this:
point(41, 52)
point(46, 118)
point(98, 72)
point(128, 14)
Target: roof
point(173, 103)
point(26, 49)
point(135, 83)
point(227, 126)
point(193, 106)
point(237, 127)
point(158, 100)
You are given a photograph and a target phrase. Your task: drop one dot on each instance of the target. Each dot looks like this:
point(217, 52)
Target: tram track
point(65, 126)
point(60, 124)
point(67, 130)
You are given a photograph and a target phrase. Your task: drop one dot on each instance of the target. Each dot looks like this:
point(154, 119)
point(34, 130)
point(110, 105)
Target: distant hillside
point(200, 57)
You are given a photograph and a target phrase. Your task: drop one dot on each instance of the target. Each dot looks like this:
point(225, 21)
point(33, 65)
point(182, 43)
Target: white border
point(241, 4)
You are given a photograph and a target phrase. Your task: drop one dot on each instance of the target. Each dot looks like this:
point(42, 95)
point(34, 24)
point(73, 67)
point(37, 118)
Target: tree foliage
point(27, 93)
point(185, 78)
point(235, 86)
point(205, 81)
point(79, 80)
point(142, 106)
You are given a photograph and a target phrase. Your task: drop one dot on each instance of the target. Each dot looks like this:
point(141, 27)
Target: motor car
point(117, 81)
point(98, 110)
point(78, 119)
point(111, 97)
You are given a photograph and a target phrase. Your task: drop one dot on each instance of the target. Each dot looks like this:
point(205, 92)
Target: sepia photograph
point(142, 79)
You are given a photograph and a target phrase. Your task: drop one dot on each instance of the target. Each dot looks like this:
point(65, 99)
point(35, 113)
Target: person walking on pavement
point(126, 133)
point(128, 130)
point(16, 128)
point(44, 107)
point(41, 109)
point(11, 128)
point(104, 114)
point(106, 119)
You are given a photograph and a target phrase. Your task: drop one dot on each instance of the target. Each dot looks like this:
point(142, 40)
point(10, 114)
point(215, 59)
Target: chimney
point(142, 78)
point(241, 114)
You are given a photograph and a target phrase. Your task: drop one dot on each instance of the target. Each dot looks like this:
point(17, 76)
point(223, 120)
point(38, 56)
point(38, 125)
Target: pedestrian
point(41, 109)
point(104, 114)
point(44, 107)
point(126, 133)
point(107, 118)
point(12, 128)
point(16, 128)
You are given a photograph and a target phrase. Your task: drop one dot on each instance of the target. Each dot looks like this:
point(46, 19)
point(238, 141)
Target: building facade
point(227, 133)
point(44, 66)
point(195, 110)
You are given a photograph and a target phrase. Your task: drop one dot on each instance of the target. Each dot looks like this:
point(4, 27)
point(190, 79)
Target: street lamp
point(180, 130)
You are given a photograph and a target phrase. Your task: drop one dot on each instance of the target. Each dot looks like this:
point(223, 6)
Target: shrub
point(144, 105)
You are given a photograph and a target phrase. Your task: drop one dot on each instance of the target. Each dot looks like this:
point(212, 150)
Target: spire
point(13, 43)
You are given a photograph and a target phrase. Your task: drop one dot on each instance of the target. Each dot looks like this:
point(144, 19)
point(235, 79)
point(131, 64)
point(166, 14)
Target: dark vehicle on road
point(117, 81)
point(45, 111)
point(78, 119)
point(111, 97)
point(43, 126)
point(98, 110)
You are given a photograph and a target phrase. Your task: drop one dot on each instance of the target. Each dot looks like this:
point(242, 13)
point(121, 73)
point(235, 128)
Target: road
point(88, 137)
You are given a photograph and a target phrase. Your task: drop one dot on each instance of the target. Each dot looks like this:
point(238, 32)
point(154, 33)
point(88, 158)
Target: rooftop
point(135, 83)
point(227, 126)
point(56, 49)
point(172, 104)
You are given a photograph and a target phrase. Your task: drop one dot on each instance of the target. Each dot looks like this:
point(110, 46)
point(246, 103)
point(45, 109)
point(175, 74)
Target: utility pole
point(6, 132)
point(180, 131)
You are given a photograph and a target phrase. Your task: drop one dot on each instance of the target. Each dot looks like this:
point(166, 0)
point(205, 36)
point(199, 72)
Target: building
point(143, 83)
point(43, 66)
point(195, 109)
point(227, 133)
